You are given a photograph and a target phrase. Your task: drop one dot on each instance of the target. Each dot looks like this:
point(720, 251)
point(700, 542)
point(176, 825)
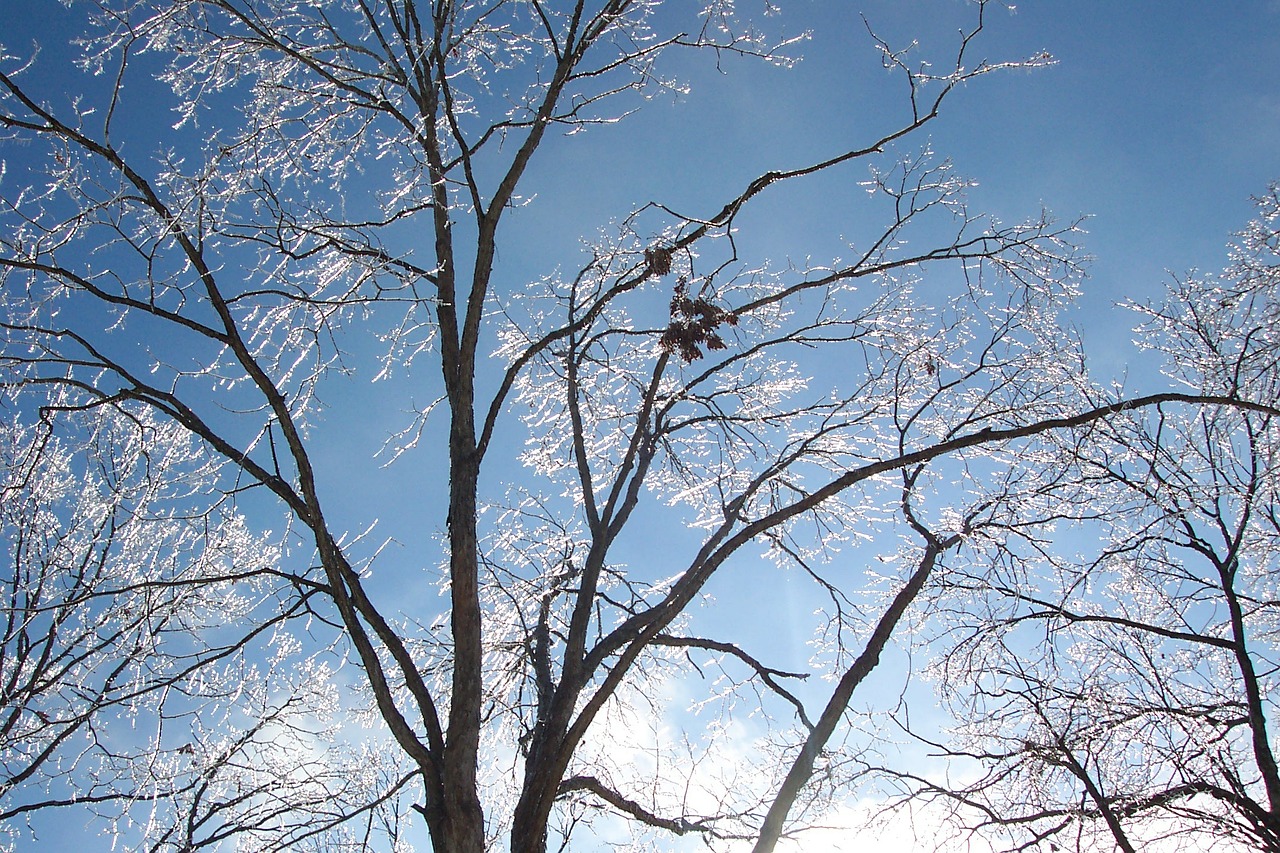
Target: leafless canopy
point(201, 650)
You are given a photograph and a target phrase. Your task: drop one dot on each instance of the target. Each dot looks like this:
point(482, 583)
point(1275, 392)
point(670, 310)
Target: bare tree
point(1128, 695)
point(144, 674)
point(336, 183)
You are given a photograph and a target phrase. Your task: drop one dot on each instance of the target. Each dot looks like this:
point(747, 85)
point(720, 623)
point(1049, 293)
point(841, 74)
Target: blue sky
point(1158, 121)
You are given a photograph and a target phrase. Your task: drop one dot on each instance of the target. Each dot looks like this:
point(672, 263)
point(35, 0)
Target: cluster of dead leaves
point(694, 322)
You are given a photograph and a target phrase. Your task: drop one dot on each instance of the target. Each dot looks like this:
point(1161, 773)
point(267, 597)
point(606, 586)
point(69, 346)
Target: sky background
point(1159, 121)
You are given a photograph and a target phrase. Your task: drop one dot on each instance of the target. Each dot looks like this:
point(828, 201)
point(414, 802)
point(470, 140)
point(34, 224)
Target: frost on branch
point(1112, 677)
point(333, 200)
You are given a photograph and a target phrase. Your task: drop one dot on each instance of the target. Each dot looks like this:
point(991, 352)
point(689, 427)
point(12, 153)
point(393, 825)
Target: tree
point(1126, 694)
point(142, 665)
point(339, 180)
